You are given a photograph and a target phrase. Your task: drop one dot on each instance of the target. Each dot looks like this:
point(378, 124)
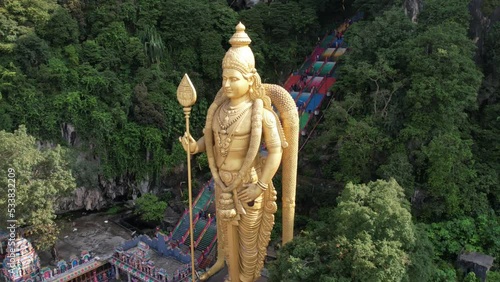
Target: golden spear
point(186, 95)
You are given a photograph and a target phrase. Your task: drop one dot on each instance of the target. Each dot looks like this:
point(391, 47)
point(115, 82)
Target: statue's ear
point(251, 79)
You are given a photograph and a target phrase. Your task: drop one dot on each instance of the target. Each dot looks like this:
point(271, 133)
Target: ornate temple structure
point(152, 260)
point(166, 258)
point(21, 262)
point(4, 236)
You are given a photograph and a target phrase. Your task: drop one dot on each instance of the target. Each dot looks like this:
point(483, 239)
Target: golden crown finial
point(240, 37)
point(240, 27)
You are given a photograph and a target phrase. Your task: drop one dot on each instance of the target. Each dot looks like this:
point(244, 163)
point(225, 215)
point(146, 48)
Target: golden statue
point(240, 121)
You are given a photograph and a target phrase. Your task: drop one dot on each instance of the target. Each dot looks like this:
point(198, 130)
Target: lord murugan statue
point(251, 128)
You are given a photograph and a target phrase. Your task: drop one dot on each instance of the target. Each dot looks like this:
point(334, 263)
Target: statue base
point(219, 276)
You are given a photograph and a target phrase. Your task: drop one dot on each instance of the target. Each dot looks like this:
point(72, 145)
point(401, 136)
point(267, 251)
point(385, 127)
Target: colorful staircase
point(320, 69)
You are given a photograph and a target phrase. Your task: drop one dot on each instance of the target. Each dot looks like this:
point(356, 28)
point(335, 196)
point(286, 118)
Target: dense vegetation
point(413, 105)
point(33, 180)
point(105, 75)
point(411, 140)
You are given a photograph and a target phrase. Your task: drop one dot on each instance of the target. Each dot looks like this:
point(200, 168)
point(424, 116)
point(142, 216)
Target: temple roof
point(477, 258)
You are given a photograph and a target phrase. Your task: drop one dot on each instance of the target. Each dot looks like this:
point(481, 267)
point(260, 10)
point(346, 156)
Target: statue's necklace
point(227, 117)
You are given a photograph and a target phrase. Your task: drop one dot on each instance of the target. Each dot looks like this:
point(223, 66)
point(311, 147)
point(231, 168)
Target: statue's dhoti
point(245, 240)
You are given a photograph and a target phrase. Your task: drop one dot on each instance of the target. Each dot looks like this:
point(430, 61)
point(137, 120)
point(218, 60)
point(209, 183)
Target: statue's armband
point(271, 133)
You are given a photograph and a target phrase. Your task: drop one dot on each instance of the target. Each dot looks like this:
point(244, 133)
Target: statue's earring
point(251, 89)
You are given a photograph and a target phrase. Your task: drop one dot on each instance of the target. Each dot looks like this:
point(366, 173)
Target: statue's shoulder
point(270, 118)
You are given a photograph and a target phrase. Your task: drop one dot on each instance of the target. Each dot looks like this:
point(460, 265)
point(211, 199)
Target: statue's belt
point(228, 176)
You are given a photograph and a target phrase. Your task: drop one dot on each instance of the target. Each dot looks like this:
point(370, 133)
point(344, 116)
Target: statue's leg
point(221, 242)
point(219, 263)
point(233, 249)
point(251, 242)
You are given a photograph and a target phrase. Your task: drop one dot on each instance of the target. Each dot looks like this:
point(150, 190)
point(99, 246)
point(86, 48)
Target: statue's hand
point(250, 193)
point(188, 143)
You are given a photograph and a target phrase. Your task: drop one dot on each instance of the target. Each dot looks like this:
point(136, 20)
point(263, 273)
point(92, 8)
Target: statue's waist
point(229, 176)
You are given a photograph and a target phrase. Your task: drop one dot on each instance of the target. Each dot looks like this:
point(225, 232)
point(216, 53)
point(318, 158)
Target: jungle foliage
point(150, 208)
point(412, 104)
point(411, 140)
point(108, 72)
point(111, 70)
point(34, 180)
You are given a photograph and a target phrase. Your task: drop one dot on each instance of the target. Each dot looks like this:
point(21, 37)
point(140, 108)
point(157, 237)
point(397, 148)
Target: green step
point(303, 120)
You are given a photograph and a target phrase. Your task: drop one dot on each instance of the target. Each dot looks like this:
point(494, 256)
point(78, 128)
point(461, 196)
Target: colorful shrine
point(21, 262)
point(166, 258)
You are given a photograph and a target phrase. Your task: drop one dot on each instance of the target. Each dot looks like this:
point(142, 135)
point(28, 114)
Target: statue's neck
point(235, 102)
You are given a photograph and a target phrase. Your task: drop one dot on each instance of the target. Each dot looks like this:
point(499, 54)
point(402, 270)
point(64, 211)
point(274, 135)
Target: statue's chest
point(232, 124)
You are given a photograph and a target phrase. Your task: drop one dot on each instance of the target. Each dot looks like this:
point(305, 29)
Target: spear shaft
point(187, 112)
point(186, 95)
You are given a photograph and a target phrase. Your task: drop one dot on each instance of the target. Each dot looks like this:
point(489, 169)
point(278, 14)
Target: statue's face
point(234, 84)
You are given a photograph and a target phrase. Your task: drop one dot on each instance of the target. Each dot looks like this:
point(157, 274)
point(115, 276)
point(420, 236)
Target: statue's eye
point(234, 79)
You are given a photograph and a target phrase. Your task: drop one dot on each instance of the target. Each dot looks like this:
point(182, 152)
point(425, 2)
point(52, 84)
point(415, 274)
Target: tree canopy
point(369, 236)
point(39, 178)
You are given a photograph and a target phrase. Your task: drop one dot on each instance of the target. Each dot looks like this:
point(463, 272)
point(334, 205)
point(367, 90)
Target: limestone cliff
point(483, 15)
point(412, 8)
point(482, 19)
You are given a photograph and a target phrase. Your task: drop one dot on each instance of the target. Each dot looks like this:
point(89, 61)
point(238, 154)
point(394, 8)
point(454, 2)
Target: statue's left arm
point(273, 160)
point(273, 146)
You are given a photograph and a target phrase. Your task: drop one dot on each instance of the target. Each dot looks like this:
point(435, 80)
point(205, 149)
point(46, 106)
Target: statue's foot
point(219, 264)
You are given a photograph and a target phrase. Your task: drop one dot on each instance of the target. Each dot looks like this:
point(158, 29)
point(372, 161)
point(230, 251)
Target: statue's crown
point(240, 37)
point(239, 56)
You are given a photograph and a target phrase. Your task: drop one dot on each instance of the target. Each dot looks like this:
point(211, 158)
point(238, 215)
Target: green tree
point(150, 208)
point(61, 29)
point(369, 236)
point(283, 33)
point(39, 178)
point(20, 17)
point(402, 110)
point(469, 234)
point(487, 122)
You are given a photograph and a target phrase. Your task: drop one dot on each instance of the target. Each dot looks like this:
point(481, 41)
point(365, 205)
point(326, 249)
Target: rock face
point(97, 193)
point(412, 8)
point(112, 188)
point(243, 4)
point(480, 25)
point(82, 198)
point(68, 133)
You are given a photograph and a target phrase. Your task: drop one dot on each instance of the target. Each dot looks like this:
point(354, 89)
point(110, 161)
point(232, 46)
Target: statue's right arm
point(200, 145)
point(192, 146)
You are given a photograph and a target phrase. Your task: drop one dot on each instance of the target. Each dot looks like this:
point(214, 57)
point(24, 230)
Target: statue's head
point(239, 63)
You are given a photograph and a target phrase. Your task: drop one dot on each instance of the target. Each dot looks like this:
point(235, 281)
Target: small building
point(4, 237)
point(477, 263)
point(150, 260)
point(21, 262)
